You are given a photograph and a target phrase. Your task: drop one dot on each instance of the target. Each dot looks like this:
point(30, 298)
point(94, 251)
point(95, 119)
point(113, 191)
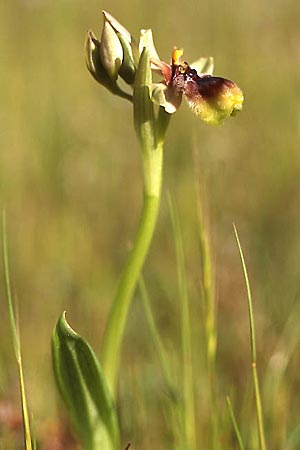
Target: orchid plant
point(117, 59)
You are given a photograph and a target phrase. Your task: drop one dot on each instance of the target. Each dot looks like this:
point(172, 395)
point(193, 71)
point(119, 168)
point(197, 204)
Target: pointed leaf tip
point(83, 388)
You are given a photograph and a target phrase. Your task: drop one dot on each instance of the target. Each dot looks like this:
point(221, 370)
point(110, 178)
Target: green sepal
point(144, 119)
point(83, 387)
point(128, 69)
point(204, 65)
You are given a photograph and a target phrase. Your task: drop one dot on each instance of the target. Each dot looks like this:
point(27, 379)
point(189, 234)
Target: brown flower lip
point(183, 78)
point(211, 98)
point(207, 86)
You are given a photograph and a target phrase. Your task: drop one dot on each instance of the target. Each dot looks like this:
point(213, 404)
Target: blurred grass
point(69, 167)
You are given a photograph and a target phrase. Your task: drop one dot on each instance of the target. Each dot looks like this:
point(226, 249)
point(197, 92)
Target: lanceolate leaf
point(84, 390)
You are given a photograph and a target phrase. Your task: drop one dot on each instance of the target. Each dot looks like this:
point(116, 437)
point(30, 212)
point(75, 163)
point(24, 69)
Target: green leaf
point(84, 390)
point(16, 338)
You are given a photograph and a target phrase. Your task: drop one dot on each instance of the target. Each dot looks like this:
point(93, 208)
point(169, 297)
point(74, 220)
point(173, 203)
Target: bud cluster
point(115, 55)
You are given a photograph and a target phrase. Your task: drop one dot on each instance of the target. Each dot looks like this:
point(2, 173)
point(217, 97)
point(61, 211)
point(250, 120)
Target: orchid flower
point(211, 98)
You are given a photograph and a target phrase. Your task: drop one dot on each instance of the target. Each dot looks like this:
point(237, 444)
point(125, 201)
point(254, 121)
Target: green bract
point(83, 387)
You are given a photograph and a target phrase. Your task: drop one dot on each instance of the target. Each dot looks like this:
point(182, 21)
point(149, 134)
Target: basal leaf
point(84, 389)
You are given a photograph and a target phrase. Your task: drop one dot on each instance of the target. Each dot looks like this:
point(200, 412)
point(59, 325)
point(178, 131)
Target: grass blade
point(16, 338)
point(187, 369)
point(173, 408)
point(293, 442)
point(209, 306)
point(235, 425)
point(259, 411)
point(160, 349)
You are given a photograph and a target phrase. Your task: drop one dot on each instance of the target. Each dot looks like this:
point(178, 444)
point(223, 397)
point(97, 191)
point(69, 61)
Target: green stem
point(150, 132)
point(259, 410)
point(129, 278)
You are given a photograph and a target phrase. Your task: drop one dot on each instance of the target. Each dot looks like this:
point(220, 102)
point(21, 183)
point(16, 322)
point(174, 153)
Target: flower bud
point(111, 50)
point(130, 56)
point(96, 68)
point(93, 61)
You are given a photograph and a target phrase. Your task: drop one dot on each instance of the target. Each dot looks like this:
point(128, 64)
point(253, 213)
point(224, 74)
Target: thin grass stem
point(159, 346)
point(259, 411)
point(186, 340)
point(235, 425)
point(208, 295)
point(173, 412)
point(16, 338)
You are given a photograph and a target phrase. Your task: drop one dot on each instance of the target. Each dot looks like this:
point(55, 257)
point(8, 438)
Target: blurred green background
point(70, 180)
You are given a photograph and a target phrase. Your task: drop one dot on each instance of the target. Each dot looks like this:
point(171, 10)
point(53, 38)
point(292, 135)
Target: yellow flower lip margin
point(213, 99)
